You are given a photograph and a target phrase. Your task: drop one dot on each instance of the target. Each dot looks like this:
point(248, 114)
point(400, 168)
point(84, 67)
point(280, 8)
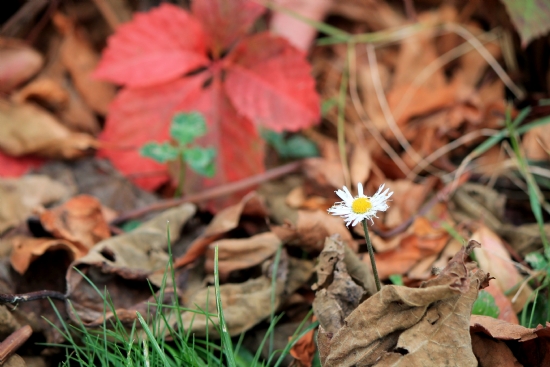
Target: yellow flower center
point(361, 205)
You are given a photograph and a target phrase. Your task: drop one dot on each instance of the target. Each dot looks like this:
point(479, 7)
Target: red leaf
point(269, 82)
point(226, 20)
point(15, 167)
point(153, 48)
point(240, 148)
point(139, 116)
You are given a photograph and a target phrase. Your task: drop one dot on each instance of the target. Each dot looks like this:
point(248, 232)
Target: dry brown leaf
point(241, 253)
point(79, 220)
point(123, 265)
point(80, 59)
point(536, 143)
point(55, 93)
point(425, 240)
point(29, 129)
point(28, 249)
point(493, 353)
point(360, 164)
point(495, 259)
point(23, 195)
point(337, 294)
point(246, 304)
point(223, 222)
point(18, 62)
point(503, 303)
point(311, 230)
point(399, 326)
point(304, 349)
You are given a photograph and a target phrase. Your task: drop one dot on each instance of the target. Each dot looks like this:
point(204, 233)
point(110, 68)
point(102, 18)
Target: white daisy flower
point(355, 209)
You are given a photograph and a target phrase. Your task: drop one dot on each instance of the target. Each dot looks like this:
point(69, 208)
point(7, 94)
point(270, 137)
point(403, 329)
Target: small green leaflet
point(485, 305)
point(295, 146)
point(396, 279)
point(159, 152)
point(537, 261)
point(201, 160)
point(186, 127)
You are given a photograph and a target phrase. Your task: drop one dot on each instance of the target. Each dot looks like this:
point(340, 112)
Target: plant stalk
point(371, 254)
point(181, 178)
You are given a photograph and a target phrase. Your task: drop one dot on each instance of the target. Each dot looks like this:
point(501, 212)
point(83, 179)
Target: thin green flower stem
point(371, 254)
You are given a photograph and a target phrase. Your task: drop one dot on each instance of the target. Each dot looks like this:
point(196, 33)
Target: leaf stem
point(371, 254)
point(181, 178)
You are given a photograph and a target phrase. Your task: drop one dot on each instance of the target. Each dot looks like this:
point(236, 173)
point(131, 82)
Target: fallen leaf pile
point(446, 104)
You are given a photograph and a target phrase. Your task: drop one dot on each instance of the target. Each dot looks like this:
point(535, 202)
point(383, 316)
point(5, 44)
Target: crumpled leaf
point(311, 230)
point(337, 293)
point(29, 129)
point(495, 339)
point(80, 60)
point(241, 253)
point(28, 249)
point(123, 264)
point(304, 349)
point(246, 304)
point(400, 326)
point(80, 220)
point(18, 62)
point(21, 196)
point(223, 222)
point(425, 240)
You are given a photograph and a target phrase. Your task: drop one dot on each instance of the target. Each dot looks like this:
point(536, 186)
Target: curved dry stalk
point(386, 109)
point(364, 116)
point(470, 38)
point(449, 147)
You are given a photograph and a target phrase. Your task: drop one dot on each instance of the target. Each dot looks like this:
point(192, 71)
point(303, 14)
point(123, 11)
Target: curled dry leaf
point(122, 265)
point(225, 221)
point(27, 249)
point(337, 294)
point(246, 304)
point(79, 220)
point(21, 196)
point(424, 241)
point(400, 326)
point(80, 59)
point(304, 349)
point(29, 129)
point(236, 254)
point(18, 62)
point(496, 339)
point(311, 230)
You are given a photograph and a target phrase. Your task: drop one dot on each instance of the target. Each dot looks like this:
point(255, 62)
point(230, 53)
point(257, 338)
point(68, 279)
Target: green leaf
point(186, 127)
point(201, 160)
point(159, 152)
point(297, 146)
point(537, 261)
point(530, 17)
point(485, 305)
point(328, 105)
point(396, 279)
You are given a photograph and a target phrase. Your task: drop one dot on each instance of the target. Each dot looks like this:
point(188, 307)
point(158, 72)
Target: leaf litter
point(412, 111)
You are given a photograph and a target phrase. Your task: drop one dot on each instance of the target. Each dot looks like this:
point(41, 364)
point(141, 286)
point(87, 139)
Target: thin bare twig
point(31, 296)
point(365, 119)
point(212, 193)
point(13, 342)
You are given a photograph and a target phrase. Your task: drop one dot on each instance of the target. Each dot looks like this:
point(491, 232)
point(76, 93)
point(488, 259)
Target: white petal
point(360, 189)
